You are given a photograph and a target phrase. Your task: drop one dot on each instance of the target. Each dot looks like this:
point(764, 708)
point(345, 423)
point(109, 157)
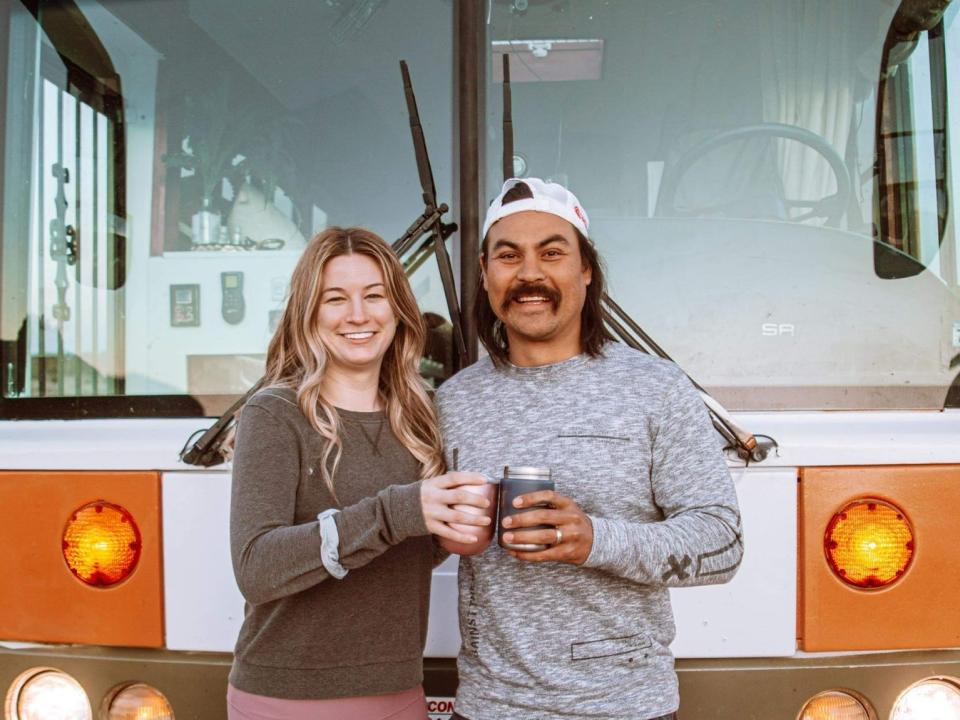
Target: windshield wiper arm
point(431, 218)
point(206, 451)
point(630, 333)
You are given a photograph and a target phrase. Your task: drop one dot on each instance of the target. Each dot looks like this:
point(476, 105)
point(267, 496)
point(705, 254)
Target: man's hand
point(575, 534)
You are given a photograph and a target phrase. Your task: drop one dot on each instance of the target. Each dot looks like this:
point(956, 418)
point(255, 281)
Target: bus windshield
point(770, 183)
point(766, 181)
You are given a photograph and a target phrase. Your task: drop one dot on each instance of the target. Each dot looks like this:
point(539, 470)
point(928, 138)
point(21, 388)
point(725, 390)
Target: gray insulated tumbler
point(520, 481)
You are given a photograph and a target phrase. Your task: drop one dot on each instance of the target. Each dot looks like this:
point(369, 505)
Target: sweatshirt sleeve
point(699, 541)
point(371, 526)
point(439, 554)
point(272, 557)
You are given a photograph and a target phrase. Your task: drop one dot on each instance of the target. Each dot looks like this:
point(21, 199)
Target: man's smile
point(533, 297)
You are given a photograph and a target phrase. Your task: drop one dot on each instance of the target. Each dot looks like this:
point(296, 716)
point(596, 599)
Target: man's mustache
point(519, 291)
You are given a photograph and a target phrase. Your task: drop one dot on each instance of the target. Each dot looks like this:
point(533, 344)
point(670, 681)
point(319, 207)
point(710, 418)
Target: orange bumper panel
point(922, 608)
point(41, 599)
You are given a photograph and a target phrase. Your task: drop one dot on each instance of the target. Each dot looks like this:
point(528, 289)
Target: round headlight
point(137, 702)
point(869, 543)
point(930, 699)
point(44, 693)
point(101, 544)
point(837, 705)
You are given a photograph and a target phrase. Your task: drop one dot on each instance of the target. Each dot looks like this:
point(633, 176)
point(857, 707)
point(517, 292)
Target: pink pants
point(407, 705)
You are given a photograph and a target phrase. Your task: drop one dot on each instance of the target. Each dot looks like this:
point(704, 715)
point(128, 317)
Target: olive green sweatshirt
point(305, 633)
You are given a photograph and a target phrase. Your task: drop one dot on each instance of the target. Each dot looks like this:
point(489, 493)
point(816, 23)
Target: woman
point(330, 526)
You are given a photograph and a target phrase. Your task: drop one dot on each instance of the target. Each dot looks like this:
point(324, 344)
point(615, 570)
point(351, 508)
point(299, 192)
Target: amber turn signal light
point(101, 544)
point(869, 543)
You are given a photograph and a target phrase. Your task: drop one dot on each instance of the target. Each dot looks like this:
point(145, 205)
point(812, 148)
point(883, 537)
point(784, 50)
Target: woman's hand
point(439, 494)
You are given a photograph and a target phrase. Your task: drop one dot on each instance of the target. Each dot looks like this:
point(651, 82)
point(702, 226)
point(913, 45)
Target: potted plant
point(213, 139)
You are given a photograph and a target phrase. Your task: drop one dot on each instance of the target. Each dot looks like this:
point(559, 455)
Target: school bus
point(770, 182)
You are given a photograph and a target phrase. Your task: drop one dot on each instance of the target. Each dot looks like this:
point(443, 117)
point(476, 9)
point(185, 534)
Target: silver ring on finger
point(559, 536)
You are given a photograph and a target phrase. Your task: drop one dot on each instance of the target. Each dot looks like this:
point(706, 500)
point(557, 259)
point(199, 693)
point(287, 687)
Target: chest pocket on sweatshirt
point(585, 435)
point(605, 467)
point(600, 446)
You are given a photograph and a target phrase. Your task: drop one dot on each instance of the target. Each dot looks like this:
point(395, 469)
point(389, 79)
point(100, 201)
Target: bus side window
point(64, 242)
point(911, 192)
point(950, 245)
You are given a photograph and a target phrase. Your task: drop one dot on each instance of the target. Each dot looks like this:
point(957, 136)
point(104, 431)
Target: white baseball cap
point(547, 197)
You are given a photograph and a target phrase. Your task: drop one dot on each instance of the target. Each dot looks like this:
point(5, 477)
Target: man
point(643, 499)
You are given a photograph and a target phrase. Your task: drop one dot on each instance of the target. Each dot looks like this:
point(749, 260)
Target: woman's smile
point(355, 320)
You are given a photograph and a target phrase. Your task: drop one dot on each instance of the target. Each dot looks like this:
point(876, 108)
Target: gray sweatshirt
point(306, 634)
point(629, 440)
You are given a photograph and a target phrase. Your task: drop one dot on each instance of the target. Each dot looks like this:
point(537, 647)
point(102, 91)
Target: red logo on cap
point(579, 212)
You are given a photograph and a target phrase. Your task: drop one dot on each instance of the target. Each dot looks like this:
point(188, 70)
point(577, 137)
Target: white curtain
point(808, 76)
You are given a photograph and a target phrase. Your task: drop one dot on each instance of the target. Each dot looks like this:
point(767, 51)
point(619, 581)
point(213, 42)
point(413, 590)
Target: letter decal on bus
point(778, 329)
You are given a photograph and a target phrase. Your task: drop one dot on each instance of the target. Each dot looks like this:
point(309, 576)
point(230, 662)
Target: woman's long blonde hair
point(297, 358)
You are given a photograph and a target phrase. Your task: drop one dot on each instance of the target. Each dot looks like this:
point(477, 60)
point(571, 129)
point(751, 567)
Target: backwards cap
point(547, 197)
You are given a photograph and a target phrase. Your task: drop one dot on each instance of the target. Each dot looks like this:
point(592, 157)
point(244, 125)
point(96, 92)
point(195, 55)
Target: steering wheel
point(831, 207)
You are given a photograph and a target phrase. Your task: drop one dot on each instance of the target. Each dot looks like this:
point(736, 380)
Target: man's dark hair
point(593, 333)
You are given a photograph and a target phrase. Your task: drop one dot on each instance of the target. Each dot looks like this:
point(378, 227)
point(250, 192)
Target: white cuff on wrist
point(330, 544)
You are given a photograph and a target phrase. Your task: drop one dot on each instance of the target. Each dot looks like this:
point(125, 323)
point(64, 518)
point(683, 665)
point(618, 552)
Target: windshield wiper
point(207, 450)
point(629, 332)
point(742, 441)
